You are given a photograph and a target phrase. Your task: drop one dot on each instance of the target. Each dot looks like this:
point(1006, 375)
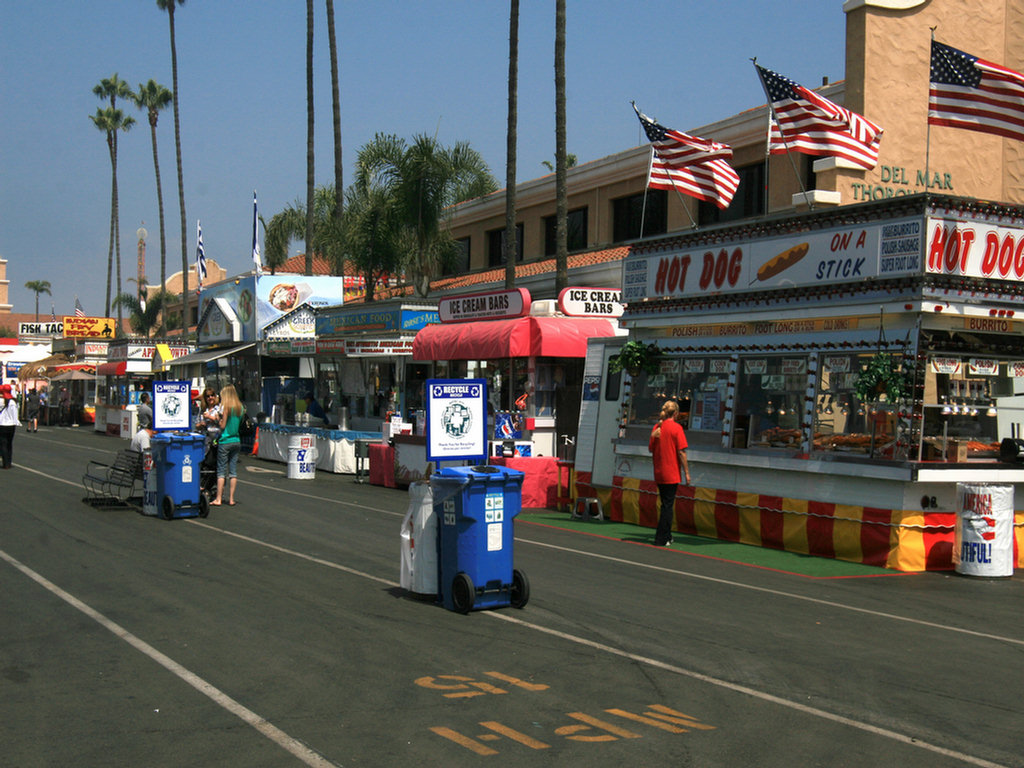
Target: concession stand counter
point(839, 374)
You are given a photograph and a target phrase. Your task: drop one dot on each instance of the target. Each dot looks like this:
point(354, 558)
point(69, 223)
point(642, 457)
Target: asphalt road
point(275, 633)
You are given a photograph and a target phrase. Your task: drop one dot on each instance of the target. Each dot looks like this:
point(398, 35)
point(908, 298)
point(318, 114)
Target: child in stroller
point(209, 425)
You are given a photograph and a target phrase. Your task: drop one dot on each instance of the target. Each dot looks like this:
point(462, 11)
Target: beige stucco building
point(886, 80)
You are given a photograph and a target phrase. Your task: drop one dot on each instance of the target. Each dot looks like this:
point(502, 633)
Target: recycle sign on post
point(456, 419)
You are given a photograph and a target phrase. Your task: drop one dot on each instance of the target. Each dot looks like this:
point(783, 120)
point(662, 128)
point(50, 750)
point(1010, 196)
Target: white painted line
point(812, 711)
point(779, 593)
point(272, 732)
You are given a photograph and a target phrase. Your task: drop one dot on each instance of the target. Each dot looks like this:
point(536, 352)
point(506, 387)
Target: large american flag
point(695, 166)
point(807, 122)
point(79, 311)
point(200, 258)
point(968, 92)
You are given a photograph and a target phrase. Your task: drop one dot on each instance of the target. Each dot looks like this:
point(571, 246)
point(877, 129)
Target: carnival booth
point(840, 373)
point(531, 355)
point(127, 373)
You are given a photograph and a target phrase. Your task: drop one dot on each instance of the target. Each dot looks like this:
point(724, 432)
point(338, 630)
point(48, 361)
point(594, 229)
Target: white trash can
point(149, 494)
point(983, 543)
point(302, 457)
point(418, 570)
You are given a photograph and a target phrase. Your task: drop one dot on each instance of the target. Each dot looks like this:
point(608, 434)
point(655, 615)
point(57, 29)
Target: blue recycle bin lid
point(177, 437)
point(480, 473)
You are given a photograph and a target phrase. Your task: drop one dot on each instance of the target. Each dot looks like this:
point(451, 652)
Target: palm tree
point(169, 6)
point(561, 191)
point(39, 286)
point(153, 97)
point(112, 121)
point(144, 318)
point(509, 246)
point(339, 200)
point(113, 88)
point(310, 165)
point(425, 179)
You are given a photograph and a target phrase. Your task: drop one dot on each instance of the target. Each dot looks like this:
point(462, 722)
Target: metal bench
point(119, 483)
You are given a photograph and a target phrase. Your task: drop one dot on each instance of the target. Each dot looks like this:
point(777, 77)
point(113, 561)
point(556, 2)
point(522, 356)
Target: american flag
point(809, 123)
point(968, 92)
point(695, 166)
point(79, 312)
point(53, 312)
point(200, 258)
point(256, 261)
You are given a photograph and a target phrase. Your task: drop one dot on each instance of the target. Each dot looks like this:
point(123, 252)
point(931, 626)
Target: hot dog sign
point(821, 257)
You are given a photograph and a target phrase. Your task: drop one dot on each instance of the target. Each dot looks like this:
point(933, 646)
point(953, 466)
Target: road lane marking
point(267, 729)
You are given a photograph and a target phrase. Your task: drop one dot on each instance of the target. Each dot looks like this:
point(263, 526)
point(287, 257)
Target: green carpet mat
point(758, 557)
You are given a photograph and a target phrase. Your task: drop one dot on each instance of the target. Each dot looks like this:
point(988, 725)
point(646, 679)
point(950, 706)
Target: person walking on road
point(668, 445)
point(145, 410)
point(32, 405)
point(8, 423)
point(229, 445)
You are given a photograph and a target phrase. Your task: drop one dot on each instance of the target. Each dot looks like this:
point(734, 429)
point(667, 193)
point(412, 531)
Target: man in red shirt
point(668, 444)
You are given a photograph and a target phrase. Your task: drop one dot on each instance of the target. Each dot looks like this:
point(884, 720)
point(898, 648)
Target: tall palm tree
point(310, 165)
point(339, 193)
point(152, 98)
point(113, 121)
point(510, 246)
point(39, 286)
point(425, 178)
point(113, 88)
point(169, 6)
point(561, 190)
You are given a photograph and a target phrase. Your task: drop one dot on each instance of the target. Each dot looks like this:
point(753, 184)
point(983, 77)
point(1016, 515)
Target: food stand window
point(962, 398)
point(698, 384)
point(770, 395)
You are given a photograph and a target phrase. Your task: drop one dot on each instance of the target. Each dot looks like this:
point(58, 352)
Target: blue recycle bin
point(177, 460)
point(475, 508)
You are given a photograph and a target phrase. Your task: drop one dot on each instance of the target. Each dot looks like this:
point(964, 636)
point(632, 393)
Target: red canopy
point(517, 337)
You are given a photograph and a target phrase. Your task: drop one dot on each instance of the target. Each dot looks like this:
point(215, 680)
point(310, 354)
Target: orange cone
point(256, 443)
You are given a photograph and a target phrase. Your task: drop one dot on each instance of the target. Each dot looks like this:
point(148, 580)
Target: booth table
point(540, 478)
point(335, 448)
point(382, 465)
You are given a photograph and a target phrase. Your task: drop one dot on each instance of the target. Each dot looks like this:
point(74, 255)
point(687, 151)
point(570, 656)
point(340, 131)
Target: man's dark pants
point(667, 494)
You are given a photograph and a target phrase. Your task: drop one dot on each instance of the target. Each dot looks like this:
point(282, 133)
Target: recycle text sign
point(456, 419)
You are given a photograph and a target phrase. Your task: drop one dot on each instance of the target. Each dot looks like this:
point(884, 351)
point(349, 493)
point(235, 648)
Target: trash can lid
point(479, 473)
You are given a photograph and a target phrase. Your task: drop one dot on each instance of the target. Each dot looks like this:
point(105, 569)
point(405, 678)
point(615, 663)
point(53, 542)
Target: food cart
point(840, 373)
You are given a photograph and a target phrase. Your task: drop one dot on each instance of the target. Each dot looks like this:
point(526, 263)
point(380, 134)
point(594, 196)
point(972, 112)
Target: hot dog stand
point(840, 373)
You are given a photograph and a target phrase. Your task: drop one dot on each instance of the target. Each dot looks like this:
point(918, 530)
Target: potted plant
point(882, 376)
point(636, 357)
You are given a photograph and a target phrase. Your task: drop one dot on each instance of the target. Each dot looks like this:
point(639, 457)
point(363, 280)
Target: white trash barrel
point(418, 568)
point(983, 543)
point(301, 457)
point(149, 494)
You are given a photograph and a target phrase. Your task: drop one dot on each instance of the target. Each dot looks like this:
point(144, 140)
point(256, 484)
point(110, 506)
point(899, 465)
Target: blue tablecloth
point(335, 448)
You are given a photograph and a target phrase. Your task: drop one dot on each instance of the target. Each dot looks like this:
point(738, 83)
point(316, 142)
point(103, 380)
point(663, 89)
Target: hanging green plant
point(882, 376)
point(635, 358)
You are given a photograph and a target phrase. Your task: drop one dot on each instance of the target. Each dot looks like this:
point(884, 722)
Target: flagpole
point(782, 135)
point(928, 135)
point(647, 186)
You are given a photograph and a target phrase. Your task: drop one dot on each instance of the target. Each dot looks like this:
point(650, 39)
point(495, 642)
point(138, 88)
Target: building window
point(576, 231)
point(748, 201)
point(640, 215)
point(459, 263)
point(495, 252)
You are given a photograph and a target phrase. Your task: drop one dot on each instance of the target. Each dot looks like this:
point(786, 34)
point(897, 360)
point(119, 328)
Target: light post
point(142, 235)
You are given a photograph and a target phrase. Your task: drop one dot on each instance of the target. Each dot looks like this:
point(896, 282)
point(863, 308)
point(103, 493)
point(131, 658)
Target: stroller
point(208, 469)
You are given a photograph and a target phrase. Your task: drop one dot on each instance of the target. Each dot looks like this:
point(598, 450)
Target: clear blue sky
point(407, 67)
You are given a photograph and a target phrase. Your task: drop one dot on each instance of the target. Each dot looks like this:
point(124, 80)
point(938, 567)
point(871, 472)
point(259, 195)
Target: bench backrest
point(127, 467)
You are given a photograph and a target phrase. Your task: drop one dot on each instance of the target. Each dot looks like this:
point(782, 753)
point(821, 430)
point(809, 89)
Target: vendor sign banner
point(840, 254)
point(89, 327)
point(456, 419)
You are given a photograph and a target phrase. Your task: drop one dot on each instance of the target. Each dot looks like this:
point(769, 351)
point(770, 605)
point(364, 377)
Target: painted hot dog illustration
point(778, 264)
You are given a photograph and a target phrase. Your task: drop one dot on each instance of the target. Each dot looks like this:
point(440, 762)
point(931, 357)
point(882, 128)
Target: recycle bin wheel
point(520, 589)
point(204, 505)
point(463, 593)
point(167, 508)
